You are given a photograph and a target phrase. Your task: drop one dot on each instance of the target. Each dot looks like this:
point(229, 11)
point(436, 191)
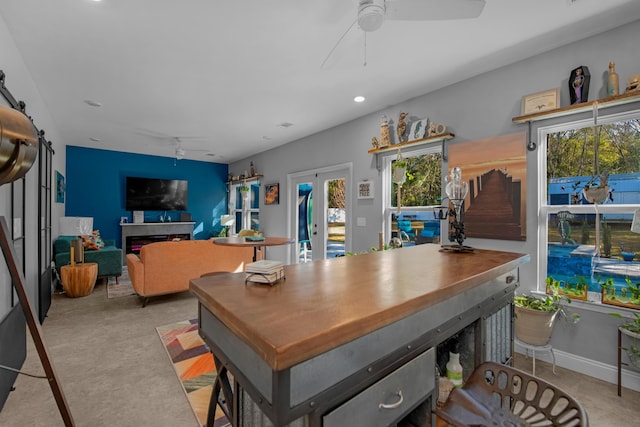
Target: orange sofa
point(166, 267)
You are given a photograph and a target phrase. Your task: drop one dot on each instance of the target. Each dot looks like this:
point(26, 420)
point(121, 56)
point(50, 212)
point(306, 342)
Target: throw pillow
point(93, 241)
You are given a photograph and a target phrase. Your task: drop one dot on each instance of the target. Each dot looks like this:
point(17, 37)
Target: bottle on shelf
point(612, 80)
point(454, 369)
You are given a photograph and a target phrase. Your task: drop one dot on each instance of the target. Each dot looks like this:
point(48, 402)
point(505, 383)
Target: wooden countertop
point(324, 304)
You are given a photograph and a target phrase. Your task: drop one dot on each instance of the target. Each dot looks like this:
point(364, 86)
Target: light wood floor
point(114, 370)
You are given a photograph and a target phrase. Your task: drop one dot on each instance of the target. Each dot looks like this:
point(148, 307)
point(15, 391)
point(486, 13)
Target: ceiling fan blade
point(433, 10)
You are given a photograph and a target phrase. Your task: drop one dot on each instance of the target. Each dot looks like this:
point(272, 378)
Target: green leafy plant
point(632, 324)
point(245, 188)
point(549, 303)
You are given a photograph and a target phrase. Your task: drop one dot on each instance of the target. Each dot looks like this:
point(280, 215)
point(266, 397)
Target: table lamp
point(227, 221)
point(76, 226)
point(456, 189)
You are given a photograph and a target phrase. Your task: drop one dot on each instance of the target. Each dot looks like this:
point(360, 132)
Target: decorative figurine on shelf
point(385, 136)
point(436, 129)
point(613, 82)
point(579, 85)
point(253, 170)
point(402, 127)
point(375, 143)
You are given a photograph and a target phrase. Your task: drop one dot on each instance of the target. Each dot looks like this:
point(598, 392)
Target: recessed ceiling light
point(266, 138)
point(211, 154)
point(93, 103)
point(359, 98)
point(94, 139)
point(285, 125)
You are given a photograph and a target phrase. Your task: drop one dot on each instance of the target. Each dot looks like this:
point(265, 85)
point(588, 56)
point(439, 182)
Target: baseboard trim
point(593, 368)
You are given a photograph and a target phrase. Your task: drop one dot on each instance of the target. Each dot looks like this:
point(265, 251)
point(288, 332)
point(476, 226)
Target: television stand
point(136, 235)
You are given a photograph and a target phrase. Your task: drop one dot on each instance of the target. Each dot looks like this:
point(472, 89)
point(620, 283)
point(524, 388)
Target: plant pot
point(534, 326)
point(633, 349)
point(399, 175)
point(596, 194)
point(628, 256)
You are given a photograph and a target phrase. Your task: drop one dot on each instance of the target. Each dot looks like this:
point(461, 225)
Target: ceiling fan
point(177, 143)
point(371, 14)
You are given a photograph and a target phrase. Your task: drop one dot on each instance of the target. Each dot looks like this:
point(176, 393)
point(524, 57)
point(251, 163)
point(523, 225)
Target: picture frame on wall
point(541, 101)
point(418, 129)
point(365, 190)
point(60, 187)
point(271, 194)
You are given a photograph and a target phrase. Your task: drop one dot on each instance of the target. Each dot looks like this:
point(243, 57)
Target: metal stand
point(34, 326)
point(546, 348)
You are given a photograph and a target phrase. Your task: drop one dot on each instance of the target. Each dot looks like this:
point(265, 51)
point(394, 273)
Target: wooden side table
point(78, 280)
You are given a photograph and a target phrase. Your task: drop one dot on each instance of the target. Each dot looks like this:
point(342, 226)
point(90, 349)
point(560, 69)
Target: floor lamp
point(77, 226)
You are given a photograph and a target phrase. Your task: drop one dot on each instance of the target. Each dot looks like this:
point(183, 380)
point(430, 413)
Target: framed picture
point(271, 194)
point(365, 190)
point(418, 129)
point(541, 101)
point(60, 187)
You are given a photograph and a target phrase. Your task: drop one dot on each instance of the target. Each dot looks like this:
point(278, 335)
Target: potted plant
point(631, 328)
point(536, 315)
point(628, 296)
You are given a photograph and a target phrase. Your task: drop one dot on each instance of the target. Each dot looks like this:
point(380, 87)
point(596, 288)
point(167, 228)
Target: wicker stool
point(500, 395)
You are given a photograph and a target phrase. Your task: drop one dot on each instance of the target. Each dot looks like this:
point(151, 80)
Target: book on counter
point(264, 271)
point(264, 266)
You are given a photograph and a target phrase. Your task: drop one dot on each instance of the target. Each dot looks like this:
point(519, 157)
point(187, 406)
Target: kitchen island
point(357, 336)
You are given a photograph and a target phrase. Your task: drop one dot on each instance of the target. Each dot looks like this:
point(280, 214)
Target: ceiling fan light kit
point(370, 14)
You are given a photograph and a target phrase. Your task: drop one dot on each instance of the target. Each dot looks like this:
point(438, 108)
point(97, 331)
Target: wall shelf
point(394, 147)
point(247, 179)
point(611, 101)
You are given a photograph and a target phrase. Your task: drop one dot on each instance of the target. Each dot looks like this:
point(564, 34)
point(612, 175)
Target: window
point(583, 244)
point(245, 205)
point(414, 222)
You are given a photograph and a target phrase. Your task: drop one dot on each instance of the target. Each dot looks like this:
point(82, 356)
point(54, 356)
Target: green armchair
point(108, 258)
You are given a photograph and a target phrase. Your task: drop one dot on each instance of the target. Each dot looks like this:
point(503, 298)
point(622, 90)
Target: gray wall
point(477, 108)
point(19, 82)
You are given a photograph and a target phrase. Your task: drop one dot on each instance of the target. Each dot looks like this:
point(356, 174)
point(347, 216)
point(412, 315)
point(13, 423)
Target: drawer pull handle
point(393, 405)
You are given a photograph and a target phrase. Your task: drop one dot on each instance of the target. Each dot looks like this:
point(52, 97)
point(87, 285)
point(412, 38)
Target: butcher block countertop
point(324, 304)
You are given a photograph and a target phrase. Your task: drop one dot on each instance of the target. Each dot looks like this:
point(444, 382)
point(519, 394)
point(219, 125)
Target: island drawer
point(391, 398)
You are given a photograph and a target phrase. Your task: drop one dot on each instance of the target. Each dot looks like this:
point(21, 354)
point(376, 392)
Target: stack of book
point(264, 271)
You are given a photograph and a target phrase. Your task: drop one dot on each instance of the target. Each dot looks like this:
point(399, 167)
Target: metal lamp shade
point(18, 144)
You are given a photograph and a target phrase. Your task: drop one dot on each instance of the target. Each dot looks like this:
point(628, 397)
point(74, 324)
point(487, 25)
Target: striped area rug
point(193, 363)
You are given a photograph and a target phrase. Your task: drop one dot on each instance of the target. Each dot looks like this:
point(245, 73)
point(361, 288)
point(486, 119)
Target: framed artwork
point(60, 187)
point(365, 190)
point(418, 129)
point(541, 101)
point(271, 194)
point(496, 170)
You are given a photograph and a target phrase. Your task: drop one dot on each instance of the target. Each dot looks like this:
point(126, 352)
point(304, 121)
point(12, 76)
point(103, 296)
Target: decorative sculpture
point(375, 143)
point(402, 127)
point(385, 136)
point(457, 190)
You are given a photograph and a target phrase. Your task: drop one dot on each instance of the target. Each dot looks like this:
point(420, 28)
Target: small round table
point(78, 280)
point(241, 241)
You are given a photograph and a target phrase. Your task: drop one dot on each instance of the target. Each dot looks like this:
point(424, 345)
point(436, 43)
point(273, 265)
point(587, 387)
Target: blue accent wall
point(95, 187)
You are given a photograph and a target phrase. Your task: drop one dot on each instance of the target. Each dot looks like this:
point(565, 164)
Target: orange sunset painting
point(496, 170)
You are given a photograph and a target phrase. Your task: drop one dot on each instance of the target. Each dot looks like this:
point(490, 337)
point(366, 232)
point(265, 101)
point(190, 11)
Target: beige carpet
point(123, 288)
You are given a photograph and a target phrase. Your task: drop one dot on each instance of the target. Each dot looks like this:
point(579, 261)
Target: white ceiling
point(224, 75)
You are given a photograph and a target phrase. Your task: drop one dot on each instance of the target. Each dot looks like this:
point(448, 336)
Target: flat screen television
point(155, 194)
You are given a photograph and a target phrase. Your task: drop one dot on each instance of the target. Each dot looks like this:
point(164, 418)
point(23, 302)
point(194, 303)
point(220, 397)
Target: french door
point(319, 213)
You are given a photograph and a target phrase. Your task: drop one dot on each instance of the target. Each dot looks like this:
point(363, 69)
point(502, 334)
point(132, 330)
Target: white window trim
point(245, 211)
point(387, 209)
point(544, 209)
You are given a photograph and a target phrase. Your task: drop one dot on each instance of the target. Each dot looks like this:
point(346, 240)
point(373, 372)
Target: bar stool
point(541, 348)
point(501, 395)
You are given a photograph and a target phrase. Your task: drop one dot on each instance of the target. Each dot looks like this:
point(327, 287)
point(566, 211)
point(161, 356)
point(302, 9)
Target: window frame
point(245, 212)
point(544, 209)
point(387, 197)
